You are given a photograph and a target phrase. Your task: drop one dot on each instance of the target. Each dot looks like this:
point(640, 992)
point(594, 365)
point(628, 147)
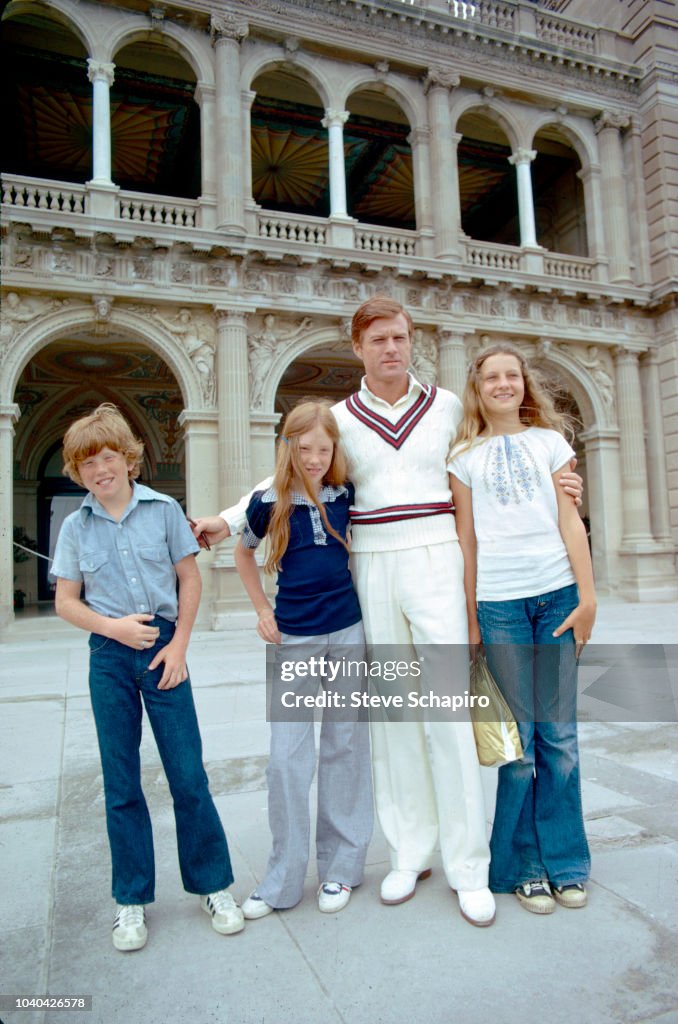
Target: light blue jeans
point(538, 827)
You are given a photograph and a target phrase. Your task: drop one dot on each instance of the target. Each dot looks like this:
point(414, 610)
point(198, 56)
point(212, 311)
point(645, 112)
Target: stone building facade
point(198, 195)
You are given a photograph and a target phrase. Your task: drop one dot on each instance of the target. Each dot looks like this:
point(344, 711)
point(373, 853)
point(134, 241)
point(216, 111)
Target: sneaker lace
point(221, 901)
point(332, 888)
point(130, 916)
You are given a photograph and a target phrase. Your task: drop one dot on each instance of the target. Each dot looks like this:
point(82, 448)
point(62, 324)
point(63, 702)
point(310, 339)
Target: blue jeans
point(118, 679)
point(538, 829)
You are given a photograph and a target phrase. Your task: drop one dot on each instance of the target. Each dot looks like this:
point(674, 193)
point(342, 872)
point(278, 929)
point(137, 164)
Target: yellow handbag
point(494, 727)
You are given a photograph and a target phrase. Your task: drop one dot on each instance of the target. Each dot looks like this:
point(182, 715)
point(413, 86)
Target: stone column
point(615, 203)
point(101, 76)
point(633, 156)
point(227, 32)
point(200, 429)
point(444, 190)
point(419, 140)
point(334, 121)
point(9, 414)
point(635, 501)
point(205, 97)
point(233, 446)
point(452, 361)
point(603, 487)
point(648, 571)
point(656, 461)
point(595, 236)
point(521, 160)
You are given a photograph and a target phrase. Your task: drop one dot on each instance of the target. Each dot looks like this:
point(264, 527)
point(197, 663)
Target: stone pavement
point(614, 962)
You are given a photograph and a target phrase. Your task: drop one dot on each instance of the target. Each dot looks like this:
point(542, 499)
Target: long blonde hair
point(538, 407)
point(289, 469)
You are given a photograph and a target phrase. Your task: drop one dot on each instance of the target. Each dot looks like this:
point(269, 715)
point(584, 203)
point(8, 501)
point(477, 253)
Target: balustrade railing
point(149, 209)
point(384, 240)
point(492, 257)
point(291, 229)
point(42, 194)
point(574, 268)
point(565, 34)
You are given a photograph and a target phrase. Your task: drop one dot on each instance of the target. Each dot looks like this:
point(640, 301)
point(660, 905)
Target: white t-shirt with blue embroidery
point(515, 512)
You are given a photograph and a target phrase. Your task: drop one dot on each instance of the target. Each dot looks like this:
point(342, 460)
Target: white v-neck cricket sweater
point(397, 457)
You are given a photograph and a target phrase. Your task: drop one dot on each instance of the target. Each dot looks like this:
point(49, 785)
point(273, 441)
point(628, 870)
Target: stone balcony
point(169, 223)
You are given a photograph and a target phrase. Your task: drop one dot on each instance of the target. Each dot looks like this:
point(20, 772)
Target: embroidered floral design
point(510, 470)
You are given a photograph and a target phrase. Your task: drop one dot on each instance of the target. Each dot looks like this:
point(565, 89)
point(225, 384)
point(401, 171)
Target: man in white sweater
point(408, 571)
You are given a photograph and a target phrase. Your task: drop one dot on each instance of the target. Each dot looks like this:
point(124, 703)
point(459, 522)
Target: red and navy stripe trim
point(394, 434)
point(396, 513)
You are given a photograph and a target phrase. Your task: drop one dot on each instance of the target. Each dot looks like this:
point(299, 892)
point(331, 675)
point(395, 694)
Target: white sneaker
point(254, 907)
point(333, 896)
point(477, 907)
point(129, 928)
point(227, 917)
point(400, 886)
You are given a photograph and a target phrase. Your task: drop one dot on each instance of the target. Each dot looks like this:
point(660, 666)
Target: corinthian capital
point(610, 120)
point(522, 156)
point(440, 78)
point(228, 26)
point(98, 71)
point(334, 117)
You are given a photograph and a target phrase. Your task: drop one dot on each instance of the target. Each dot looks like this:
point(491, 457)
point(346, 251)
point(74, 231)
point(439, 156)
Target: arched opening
point(66, 379)
point(290, 161)
point(330, 371)
point(487, 182)
point(155, 122)
point(378, 158)
point(47, 109)
point(558, 195)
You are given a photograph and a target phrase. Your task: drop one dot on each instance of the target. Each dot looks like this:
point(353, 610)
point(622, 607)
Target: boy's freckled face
point(106, 475)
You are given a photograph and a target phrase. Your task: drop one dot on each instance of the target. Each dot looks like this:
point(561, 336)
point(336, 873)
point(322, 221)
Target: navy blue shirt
point(315, 588)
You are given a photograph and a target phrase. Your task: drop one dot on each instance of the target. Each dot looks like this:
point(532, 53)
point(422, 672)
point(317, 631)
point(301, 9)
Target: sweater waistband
point(397, 513)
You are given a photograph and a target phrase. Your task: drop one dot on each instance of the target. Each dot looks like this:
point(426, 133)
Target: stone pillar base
point(341, 232)
point(102, 200)
point(648, 573)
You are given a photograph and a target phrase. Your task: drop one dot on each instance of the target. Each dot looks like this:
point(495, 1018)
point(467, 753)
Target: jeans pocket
point(97, 642)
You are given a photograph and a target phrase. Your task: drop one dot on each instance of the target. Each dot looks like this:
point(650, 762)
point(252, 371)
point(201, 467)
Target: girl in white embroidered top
point(531, 601)
point(304, 516)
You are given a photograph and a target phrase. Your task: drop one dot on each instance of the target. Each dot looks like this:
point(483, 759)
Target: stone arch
point(63, 12)
point(256, 64)
point(391, 86)
point(579, 381)
point(496, 111)
point(48, 327)
point(313, 338)
point(583, 143)
point(196, 55)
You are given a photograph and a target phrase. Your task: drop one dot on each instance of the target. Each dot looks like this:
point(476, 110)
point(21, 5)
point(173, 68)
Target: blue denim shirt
point(126, 566)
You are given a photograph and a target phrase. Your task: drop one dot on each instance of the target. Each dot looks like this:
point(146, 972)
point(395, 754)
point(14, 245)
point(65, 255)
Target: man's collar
point(413, 386)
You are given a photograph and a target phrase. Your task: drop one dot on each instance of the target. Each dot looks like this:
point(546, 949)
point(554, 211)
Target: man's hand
point(134, 631)
point(175, 671)
point(571, 483)
point(214, 527)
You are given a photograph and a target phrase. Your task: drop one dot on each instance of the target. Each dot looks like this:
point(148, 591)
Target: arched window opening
point(378, 157)
point(558, 195)
point(47, 108)
point(487, 182)
point(155, 122)
point(290, 161)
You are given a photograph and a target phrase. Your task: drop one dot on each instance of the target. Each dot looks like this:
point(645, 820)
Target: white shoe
point(227, 917)
point(333, 896)
point(255, 907)
point(477, 907)
point(400, 886)
point(129, 928)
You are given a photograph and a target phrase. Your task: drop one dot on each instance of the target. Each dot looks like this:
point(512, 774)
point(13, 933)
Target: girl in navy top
point(317, 626)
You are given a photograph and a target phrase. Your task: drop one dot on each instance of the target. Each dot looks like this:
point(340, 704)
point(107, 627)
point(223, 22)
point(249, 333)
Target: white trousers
point(426, 788)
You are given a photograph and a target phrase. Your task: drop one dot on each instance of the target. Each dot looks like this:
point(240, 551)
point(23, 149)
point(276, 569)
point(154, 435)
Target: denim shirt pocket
point(92, 562)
